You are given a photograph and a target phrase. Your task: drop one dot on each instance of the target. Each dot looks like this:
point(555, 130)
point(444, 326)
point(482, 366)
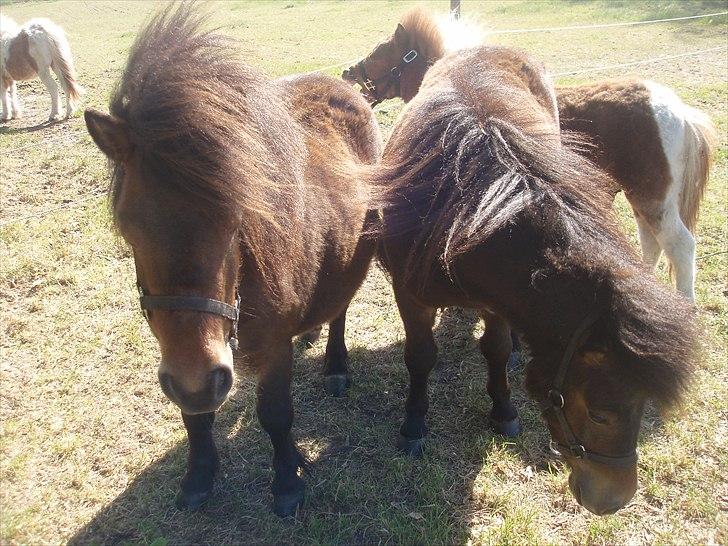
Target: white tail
point(700, 141)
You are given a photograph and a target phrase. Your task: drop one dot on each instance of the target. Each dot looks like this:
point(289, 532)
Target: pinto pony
point(214, 169)
point(487, 209)
point(656, 148)
point(35, 49)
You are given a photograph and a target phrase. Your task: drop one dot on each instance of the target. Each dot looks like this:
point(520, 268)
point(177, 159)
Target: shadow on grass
point(29, 129)
point(359, 489)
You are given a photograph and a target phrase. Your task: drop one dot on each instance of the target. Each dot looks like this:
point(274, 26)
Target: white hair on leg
point(5, 91)
point(679, 246)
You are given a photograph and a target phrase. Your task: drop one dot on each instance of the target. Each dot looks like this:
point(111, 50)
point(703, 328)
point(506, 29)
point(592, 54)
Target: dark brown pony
point(215, 167)
point(488, 210)
point(656, 148)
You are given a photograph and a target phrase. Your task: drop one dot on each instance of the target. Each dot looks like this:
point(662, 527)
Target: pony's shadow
point(356, 474)
point(6, 129)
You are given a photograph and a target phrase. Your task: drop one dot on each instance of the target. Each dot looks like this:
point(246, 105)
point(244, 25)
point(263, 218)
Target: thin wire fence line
point(603, 25)
point(640, 62)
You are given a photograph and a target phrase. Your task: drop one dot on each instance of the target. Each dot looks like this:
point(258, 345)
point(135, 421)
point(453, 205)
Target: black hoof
point(191, 501)
point(414, 447)
point(510, 428)
point(336, 385)
point(286, 504)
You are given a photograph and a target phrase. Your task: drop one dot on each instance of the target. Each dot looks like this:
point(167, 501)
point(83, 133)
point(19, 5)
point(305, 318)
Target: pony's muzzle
point(216, 386)
point(348, 75)
point(603, 495)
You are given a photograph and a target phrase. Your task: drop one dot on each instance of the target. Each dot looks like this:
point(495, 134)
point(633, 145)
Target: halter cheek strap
point(555, 402)
point(195, 303)
point(393, 77)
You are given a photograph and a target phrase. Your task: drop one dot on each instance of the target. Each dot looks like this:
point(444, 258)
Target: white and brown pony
point(35, 49)
point(656, 148)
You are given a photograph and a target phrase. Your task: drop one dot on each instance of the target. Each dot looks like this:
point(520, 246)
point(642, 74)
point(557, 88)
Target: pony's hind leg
point(336, 373)
point(648, 242)
point(202, 462)
point(275, 413)
point(496, 346)
point(679, 246)
point(420, 355)
point(52, 86)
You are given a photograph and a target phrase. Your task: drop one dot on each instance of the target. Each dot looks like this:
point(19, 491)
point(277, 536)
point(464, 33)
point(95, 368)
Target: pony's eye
point(598, 418)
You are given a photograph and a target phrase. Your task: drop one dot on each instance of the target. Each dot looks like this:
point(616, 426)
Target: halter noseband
point(391, 78)
point(555, 403)
point(195, 303)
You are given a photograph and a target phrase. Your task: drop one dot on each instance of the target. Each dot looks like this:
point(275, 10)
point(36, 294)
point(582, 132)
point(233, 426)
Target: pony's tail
point(700, 142)
point(63, 62)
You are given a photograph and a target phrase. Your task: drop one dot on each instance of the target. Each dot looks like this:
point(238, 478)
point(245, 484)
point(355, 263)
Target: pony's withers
point(236, 193)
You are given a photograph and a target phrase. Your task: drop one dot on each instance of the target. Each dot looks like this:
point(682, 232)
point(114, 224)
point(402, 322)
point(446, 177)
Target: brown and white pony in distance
point(215, 169)
point(488, 210)
point(35, 49)
point(657, 149)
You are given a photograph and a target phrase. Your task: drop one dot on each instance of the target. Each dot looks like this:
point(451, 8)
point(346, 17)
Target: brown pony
point(488, 210)
point(656, 148)
point(215, 167)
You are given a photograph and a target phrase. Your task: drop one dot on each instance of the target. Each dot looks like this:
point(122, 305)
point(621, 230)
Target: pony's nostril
point(221, 379)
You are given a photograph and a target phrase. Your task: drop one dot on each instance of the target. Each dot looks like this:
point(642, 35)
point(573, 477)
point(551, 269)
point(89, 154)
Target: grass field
point(91, 450)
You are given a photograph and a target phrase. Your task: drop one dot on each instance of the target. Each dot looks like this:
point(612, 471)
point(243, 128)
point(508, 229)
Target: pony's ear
point(111, 135)
point(400, 35)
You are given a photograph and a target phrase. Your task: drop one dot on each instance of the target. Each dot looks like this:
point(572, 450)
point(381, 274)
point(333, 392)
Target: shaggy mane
point(202, 123)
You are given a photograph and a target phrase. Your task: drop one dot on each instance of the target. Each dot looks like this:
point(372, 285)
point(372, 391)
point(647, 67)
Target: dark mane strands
point(460, 174)
point(206, 124)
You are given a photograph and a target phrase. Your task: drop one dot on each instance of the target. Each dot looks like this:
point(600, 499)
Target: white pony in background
point(35, 49)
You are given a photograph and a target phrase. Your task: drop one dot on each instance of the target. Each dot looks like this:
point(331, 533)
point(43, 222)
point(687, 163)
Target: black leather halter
point(195, 303)
point(392, 77)
point(555, 403)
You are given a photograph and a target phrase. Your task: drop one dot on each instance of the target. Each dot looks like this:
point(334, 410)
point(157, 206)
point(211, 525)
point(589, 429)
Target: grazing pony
point(487, 209)
point(657, 149)
point(35, 49)
point(215, 167)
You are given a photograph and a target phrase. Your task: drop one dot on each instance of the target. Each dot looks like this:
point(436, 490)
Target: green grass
point(91, 450)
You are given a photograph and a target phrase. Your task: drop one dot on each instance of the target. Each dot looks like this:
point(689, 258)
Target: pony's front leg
point(336, 373)
point(275, 413)
point(496, 345)
point(420, 355)
point(14, 104)
point(5, 92)
point(202, 462)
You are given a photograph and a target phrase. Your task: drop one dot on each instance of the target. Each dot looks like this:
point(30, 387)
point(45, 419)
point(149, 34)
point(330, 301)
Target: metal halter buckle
point(369, 85)
point(410, 56)
point(556, 398)
point(577, 451)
